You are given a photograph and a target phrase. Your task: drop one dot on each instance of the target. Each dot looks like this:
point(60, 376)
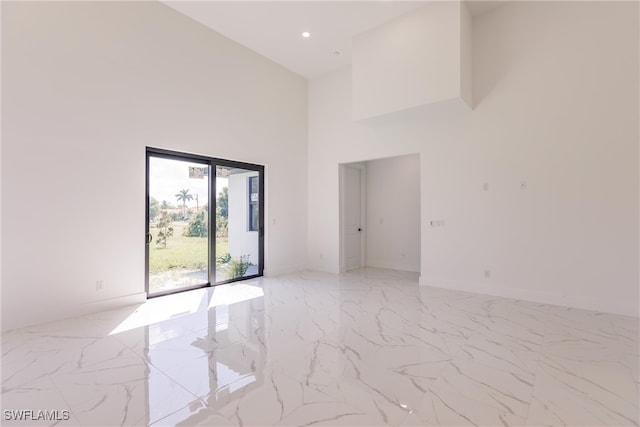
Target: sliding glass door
point(238, 222)
point(204, 221)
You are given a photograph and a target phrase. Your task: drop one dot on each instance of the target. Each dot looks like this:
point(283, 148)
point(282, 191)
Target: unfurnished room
point(320, 213)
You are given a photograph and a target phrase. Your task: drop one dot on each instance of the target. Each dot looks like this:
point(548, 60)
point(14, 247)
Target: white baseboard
point(323, 268)
point(74, 311)
point(111, 303)
point(630, 308)
point(280, 271)
point(406, 266)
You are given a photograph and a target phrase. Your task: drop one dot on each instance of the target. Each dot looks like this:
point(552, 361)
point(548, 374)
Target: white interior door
point(352, 227)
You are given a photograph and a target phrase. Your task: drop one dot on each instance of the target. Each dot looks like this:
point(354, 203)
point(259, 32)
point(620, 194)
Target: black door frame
point(212, 163)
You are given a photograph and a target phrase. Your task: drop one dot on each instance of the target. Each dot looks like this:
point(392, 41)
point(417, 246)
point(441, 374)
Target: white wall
point(556, 93)
point(411, 61)
point(85, 87)
point(1, 162)
point(241, 240)
point(466, 55)
point(393, 213)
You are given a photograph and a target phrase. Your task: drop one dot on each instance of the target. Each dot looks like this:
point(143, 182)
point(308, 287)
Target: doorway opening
point(204, 221)
point(380, 214)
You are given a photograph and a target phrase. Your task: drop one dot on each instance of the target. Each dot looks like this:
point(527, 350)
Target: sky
point(167, 177)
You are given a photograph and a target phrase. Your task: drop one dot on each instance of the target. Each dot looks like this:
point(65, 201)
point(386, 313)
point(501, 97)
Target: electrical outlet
point(487, 274)
point(485, 186)
point(321, 256)
point(99, 285)
point(523, 185)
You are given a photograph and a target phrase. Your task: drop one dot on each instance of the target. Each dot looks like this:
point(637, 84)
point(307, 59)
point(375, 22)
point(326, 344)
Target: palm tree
point(183, 196)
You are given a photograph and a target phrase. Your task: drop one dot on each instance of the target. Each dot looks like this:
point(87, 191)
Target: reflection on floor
point(367, 348)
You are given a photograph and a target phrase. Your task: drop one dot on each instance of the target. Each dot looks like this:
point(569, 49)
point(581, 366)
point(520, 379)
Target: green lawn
point(181, 252)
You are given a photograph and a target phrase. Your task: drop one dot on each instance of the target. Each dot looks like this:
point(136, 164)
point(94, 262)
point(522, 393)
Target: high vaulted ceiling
point(274, 28)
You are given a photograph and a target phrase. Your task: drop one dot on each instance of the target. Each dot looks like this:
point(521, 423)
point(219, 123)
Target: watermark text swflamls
point(36, 415)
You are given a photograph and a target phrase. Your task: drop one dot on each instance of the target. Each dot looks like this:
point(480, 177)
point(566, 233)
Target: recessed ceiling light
point(306, 34)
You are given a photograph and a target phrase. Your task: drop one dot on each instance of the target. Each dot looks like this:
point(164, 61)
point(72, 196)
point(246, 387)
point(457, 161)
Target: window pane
point(178, 224)
point(237, 208)
point(253, 204)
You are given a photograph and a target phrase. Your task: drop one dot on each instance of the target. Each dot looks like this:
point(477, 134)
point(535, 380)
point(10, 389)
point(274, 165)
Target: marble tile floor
point(366, 348)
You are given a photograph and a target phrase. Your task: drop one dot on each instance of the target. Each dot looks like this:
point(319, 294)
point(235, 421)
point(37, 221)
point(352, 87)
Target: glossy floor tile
point(366, 348)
